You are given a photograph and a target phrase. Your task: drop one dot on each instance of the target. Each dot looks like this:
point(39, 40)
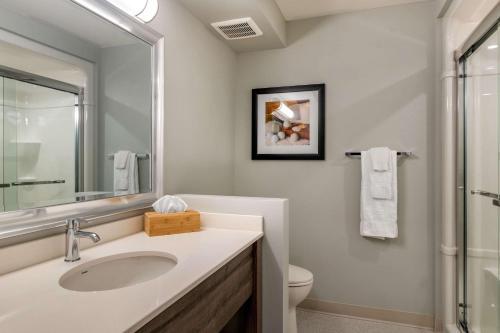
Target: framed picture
point(288, 123)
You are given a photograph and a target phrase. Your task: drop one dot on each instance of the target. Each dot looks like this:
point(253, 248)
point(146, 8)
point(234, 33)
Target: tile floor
point(318, 322)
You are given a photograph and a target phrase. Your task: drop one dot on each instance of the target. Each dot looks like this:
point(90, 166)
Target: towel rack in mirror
point(139, 156)
point(357, 154)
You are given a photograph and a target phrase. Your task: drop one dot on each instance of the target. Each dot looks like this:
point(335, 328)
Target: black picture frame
point(320, 155)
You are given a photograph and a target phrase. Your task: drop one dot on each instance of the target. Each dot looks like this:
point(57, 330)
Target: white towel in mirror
point(126, 175)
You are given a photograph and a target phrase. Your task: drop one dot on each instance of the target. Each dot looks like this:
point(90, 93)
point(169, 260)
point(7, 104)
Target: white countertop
point(31, 299)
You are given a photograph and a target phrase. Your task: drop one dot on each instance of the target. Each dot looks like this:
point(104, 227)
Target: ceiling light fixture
point(144, 10)
point(149, 12)
point(492, 47)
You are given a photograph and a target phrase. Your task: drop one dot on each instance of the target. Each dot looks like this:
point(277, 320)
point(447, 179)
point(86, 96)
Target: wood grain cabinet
point(227, 301)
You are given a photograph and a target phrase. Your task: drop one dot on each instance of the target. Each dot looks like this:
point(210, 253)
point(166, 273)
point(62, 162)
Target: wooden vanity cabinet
point(227, 301)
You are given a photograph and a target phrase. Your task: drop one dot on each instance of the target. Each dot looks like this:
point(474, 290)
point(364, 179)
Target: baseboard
point(407, 318)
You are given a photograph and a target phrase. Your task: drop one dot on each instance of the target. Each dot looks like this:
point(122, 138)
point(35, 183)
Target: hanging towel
point(133, 178)
point(381, 175)
point(121, 170)
point(380, 157)
point(379, 202)
point(121, 159)
point(126, 175)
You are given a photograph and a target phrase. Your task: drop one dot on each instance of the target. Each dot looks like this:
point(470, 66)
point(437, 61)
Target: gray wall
point(199, 116)
point(124, 109)
point(379, 70)
point(437, 172)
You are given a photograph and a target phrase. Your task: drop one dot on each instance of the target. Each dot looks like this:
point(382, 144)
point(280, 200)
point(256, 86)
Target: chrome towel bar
point(139, 156)
point(357, 154)
point(41, 182)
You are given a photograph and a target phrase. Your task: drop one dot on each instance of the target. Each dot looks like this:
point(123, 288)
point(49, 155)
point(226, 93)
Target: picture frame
point(288, 123)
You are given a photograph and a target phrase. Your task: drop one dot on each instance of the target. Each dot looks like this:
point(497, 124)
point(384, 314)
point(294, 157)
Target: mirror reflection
point(75, 107)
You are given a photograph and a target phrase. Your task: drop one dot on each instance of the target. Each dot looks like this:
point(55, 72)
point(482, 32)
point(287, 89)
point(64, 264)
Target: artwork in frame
point(288, 123)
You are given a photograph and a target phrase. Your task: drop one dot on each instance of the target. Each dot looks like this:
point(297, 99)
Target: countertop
point(31, 299)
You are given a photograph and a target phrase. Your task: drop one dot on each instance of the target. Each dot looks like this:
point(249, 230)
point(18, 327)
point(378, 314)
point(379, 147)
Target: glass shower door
point(39, 136)
point(478, 181)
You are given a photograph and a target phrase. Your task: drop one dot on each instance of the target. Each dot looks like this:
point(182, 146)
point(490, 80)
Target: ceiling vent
point(238, 29)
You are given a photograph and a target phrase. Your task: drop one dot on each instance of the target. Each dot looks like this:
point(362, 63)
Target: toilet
point(300, 282)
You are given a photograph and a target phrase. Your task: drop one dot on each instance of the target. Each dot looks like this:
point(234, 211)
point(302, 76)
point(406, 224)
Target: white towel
point(381, 176)
point(121, 170)
point(126, 179)
point(121, 159)
point(133, 176)
point(378, 216)
point(380, 158)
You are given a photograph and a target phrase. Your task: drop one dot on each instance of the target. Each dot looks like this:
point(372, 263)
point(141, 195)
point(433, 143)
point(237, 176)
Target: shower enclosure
point(39, 141)
point(478, 205)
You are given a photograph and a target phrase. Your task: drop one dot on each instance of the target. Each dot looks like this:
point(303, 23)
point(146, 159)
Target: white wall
point(379, 69)
point(199, 85)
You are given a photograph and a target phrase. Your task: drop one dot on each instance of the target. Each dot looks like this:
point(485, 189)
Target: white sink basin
point(118, 271)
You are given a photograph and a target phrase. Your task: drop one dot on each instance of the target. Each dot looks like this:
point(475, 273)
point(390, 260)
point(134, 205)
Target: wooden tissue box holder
point(159, 224)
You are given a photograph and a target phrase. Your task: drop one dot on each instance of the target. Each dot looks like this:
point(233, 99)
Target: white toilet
point(300, 282)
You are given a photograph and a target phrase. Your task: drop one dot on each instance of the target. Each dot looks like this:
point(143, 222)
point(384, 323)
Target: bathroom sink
point(118, 271)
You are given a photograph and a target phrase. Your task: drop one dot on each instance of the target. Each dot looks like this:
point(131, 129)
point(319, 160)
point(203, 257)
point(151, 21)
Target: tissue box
point(159, 224)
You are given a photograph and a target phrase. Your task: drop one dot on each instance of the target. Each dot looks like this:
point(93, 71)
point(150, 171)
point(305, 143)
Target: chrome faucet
point(73, 233)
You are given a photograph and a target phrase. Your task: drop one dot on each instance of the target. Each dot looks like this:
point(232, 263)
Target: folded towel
point(126, 180)
point(381, 185)
point(121, 170)
point(381, 176)
point(380, 157)
point(121, 159)
point(133, 176)
point(378, 216)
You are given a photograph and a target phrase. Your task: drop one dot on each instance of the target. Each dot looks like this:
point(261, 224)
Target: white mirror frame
point(23, 225)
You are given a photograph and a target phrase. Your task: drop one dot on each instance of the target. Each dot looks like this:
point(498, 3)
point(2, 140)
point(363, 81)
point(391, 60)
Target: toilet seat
point(298, 276)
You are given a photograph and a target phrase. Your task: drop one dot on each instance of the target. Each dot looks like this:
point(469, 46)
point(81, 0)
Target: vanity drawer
point(234, 288)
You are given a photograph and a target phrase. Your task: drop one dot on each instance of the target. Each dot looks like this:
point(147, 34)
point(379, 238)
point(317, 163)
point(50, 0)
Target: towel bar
point(357, 154)
point(139, 156)
point(40, 182)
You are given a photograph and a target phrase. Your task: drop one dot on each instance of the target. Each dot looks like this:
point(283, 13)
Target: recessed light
point(487, 94)
point(492, 47)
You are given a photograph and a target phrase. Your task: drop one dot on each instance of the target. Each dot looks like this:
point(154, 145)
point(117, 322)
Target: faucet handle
point(74, 223)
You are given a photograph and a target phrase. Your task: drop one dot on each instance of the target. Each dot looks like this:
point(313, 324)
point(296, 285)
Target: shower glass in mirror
point(75, 106)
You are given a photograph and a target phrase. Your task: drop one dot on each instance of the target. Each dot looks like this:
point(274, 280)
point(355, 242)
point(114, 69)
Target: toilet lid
point(298, 276)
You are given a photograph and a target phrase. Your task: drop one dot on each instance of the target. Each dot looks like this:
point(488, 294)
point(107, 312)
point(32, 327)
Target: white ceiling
point(301, 9)
point(265, 13)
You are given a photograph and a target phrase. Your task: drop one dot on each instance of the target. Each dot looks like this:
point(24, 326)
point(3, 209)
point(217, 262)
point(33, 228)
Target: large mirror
point(76, 106)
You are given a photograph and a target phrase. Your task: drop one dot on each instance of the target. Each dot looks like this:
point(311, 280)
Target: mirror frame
point(28, 224)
